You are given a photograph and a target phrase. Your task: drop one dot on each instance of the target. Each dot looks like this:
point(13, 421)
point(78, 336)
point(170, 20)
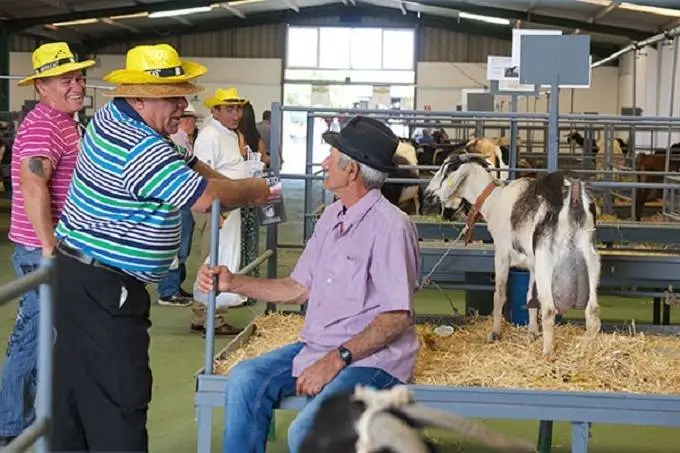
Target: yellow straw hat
point(53, 59)
point(229, 96)
point(155, 71)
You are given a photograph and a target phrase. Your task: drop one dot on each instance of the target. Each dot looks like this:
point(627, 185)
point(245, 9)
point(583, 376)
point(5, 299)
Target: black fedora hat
point(366, 140)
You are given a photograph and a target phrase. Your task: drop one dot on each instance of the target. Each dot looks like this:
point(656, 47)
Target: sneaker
point(185, 293)
point(175, 301)
point(4, 441)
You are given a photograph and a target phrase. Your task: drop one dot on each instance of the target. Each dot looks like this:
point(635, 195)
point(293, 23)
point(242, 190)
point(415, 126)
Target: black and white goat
point(403, 195)
point(545, 225)
point(387, 421)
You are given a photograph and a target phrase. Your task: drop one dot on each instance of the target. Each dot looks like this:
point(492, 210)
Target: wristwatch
point(345, 355)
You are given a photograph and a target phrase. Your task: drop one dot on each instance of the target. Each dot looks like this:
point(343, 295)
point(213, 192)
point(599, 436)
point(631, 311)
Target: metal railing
point(38, 432)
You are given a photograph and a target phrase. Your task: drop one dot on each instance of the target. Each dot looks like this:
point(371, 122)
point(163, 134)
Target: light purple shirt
point(353, 273)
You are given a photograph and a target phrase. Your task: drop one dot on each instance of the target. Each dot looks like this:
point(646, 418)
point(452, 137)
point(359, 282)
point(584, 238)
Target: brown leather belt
point(87, 259)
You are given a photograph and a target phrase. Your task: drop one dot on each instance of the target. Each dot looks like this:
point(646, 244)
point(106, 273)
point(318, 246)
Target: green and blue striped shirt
point(124, 200)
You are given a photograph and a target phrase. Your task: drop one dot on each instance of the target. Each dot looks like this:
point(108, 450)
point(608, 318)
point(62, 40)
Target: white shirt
point(218, 148)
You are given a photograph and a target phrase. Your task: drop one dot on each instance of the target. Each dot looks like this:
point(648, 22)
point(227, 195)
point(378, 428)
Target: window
point(366, 45)
point(398, 49)
point(302, 47)
point(334, 48)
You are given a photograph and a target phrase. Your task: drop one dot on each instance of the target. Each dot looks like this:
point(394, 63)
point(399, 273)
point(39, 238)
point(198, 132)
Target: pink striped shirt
point(52, 134)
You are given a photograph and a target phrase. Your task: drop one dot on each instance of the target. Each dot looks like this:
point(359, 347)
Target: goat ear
point(426, 417)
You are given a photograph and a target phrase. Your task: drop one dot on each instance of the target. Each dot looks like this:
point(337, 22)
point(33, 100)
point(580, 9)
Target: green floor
point(176, 355)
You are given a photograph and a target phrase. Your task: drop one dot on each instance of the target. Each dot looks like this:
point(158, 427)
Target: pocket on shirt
point(346, 291)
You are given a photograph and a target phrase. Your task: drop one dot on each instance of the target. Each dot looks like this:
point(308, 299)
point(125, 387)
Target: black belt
point(87, 259)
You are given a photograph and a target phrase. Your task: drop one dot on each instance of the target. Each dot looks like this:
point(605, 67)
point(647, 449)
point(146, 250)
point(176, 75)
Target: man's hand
point(316, 376)
point(205, 278)
point(261, 192)
point(48, 250)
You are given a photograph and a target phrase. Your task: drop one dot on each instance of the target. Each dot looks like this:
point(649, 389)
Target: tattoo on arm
point(35, 165)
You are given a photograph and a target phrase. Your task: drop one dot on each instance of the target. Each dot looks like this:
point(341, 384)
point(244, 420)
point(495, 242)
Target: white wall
point(257, 79)
point(440, 86)
point(654, 76)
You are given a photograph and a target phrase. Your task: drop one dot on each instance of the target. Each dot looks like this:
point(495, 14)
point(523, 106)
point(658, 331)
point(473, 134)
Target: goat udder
point(570, 284)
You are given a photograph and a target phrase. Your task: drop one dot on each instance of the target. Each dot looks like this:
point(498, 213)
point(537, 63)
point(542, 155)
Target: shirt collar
point(123, 105)
point(50, 109)
point(356, 212)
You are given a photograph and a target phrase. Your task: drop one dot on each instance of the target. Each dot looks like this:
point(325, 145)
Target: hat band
point(54, 64)
point(166, 72)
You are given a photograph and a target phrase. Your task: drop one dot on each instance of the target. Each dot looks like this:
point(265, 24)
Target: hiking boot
point(186, 294)
point(175, 301)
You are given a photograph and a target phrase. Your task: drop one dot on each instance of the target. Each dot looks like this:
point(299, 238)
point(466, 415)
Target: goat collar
point(476, 210)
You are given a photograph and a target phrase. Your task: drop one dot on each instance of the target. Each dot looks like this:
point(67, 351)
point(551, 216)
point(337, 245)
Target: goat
point(618, 154)
point(544, 225)
point(400, 194)
point(653, 162)
point(387, 421)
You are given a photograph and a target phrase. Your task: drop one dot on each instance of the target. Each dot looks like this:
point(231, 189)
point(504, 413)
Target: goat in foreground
point(545, 225)
point(387, 421)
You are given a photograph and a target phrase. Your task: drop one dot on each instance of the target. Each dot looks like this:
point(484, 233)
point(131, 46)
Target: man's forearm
point(232, 193)
point(386, 328)
point(204, 170)
point(277, 291)
point(39, 212)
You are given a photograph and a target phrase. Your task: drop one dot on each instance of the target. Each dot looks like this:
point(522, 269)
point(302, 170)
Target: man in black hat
point(358, 274)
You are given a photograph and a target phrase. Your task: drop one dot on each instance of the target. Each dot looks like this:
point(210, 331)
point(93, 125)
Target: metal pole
point(671, 112)
point(309, 159)
point(212, 296)
point(514, 152)
point(43, 407)
point(553, 138)
point(276, 143)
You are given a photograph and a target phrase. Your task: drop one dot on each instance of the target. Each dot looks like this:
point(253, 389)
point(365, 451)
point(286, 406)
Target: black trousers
point(102, 379)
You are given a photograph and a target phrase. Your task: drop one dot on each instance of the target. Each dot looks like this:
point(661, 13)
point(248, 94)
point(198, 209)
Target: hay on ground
point(622, 362)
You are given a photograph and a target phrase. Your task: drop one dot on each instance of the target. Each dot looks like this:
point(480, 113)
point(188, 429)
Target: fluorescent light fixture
point(651, 9)
point(129, 16)
point(180, 12)
point(488, 19)
point(75, 22)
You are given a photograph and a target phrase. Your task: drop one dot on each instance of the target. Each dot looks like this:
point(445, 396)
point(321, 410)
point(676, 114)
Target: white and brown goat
point(372, 421)
point(545, 225)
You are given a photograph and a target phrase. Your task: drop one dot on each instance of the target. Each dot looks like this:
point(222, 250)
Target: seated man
point(359, 274)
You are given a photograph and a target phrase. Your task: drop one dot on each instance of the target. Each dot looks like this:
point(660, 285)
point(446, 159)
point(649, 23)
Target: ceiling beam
point(604, 11)
point(310, 16)
point(542, 19)
point(22, 24)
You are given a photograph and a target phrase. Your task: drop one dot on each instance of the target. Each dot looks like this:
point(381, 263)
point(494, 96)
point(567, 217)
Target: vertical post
point(514, 152)
point(671, 113)
point(309, 183)
point(275, 145)
point(545, 432)
point(46, 338)
point(632, 138)
point(4, 69)
point(553, 136)
point(212, 297)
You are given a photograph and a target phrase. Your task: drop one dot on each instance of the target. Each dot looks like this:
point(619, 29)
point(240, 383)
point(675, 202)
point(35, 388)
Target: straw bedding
point(624, 362)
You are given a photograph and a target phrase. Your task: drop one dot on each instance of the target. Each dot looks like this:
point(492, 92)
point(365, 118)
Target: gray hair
point(372, 178)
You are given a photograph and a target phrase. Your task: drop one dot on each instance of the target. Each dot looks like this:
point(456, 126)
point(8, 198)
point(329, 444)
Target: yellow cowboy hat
point(155, 71)
point(53, 59)
point(229, 96)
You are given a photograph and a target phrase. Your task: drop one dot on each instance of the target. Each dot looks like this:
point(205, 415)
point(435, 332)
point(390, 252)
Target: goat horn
point(427, 417)
point(387, 431)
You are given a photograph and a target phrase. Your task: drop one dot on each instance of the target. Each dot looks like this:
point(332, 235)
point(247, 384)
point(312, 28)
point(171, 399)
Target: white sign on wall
point(500, 68)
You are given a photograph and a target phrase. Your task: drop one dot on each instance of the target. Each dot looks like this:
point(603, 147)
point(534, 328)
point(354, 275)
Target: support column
point(4, 70)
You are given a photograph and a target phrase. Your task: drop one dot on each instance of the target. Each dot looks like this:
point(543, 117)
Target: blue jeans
point(256, 385)
point(19, 375)
point(171, 283)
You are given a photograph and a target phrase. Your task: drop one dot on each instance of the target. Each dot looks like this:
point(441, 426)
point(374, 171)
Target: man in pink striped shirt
point(43, 159)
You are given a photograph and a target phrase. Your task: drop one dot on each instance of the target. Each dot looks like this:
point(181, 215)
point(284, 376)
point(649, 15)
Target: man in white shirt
point(218, 146)
point(170, 291)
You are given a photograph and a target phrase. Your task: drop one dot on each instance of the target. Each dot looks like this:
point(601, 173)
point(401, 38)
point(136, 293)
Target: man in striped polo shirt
point(43, 159)
point(119, 231)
